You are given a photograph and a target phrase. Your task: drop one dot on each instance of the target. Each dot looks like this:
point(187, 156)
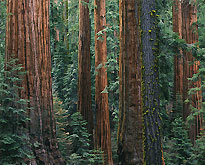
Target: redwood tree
point(28, 40)
point(191, 66)
point(84, 77)
point(178, 58)
point(130, 129)
point(103, 139)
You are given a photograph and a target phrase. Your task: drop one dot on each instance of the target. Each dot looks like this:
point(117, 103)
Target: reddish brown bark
point(130, 129)
point(178, 58)
point(103, 138)
point(177, 17)
point(84, 77)
point(28, 40)
point(163, 162)
point(191, 66)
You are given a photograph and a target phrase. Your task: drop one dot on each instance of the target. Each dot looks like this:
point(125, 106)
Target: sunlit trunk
point(191, 66)
point(103, 138)
point(178, 58)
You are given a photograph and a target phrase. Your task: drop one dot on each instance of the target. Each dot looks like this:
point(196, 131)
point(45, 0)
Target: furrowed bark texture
point(84, 77)
point(28, 40)
point(191, 66)
point(103, 139)
point(150, 84)
point(178, 58)
point(130, 129)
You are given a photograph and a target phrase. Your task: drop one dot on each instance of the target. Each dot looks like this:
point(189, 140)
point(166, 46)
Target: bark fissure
point(27, 39)
point(130, 130)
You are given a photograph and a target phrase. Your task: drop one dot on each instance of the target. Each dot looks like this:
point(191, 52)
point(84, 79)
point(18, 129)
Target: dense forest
point(116, 82)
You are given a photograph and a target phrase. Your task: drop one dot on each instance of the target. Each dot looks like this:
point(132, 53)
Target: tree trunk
point(130, 129)
point(191, 66)
point(103, 138)
point(150, 83)
point(84, 77)
point(57, 36)
point(139, 140)
point(178, 58)
point(28, 40)
point(66, 22)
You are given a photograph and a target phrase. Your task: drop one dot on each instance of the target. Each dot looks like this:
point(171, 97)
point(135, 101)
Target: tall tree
point(130, 129)
point(191, 66)
point(139, 139)
point(84, 76)
point(150, 83)
point(178, 58)
point(28, 40)
point(103, 139)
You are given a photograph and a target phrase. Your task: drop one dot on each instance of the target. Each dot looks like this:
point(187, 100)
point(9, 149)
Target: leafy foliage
point(74, 139)
point(61, 116)
point(198, 152)
point(166, 57)
point(72, 134)
point(14, 143)
point(79, 136)
point(2, 27)
point(178, 148)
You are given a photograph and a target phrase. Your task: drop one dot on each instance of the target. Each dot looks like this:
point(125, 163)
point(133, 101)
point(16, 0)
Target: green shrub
point(14, 143)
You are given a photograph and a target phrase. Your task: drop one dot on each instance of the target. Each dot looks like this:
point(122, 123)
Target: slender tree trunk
point(28, 40)
point(84, 77)
point(66, 21)
point(178, 58)
point(191, 66)
point(150, 83)
point(57, 36)
point(163, 162)
point(103, 138)
point(130, 129)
